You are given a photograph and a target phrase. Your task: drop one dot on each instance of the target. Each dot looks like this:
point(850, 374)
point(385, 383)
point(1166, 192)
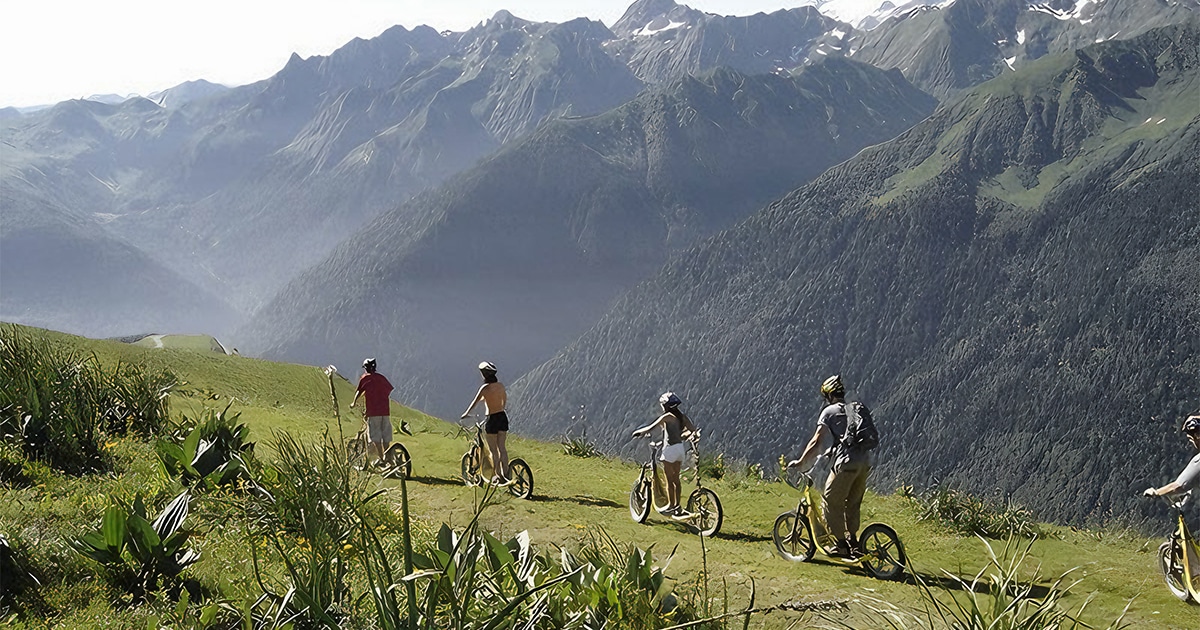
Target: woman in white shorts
point(676, 427)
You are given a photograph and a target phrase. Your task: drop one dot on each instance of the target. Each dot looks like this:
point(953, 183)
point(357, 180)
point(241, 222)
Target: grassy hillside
point(573, 497)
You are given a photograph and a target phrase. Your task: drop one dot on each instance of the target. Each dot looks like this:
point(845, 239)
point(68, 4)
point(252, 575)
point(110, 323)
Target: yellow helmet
point(833, 386)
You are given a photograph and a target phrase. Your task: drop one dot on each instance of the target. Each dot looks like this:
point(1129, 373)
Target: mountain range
point(1012, 286)
point(519, 255)
point(239, 190)
point(605, 212)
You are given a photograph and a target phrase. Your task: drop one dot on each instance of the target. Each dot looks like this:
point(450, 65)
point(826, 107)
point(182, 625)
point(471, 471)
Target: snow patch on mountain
point(867, 14)
point(1081, 8)
point(655, 26)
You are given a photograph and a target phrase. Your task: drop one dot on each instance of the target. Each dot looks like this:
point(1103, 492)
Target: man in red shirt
point(379, 422)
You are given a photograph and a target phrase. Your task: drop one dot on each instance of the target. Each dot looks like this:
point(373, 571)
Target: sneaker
point(842, 550)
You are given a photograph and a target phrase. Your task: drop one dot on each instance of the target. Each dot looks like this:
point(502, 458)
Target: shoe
point(842, 550)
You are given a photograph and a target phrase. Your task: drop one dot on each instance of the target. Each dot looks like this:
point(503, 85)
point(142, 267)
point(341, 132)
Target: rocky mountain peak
point(648, 17)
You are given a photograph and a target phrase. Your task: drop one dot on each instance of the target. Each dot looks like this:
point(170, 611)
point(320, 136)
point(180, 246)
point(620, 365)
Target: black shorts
point(496, 422)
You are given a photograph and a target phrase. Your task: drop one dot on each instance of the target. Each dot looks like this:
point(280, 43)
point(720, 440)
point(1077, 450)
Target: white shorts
point(379, 429)
point(674, 453)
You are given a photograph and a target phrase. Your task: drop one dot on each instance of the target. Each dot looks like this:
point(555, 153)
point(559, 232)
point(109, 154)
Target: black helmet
point(487, 366)
point(1191, 425)
point(669, 399)
point(369, 365)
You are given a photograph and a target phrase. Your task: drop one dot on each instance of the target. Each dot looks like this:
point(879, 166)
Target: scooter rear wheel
point(706, 507)
point(522, 479)
point(396, 462)
point(882, 552)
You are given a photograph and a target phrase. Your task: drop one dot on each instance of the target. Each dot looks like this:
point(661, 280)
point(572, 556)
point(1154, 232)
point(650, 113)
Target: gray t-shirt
point(833, 418)
point(1190, 477)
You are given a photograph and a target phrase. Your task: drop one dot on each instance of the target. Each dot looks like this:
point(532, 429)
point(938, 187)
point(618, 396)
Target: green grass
point(197, 343)
point(573, 497)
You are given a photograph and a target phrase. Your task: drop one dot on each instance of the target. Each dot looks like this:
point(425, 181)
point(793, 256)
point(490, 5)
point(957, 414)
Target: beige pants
point(843, 499)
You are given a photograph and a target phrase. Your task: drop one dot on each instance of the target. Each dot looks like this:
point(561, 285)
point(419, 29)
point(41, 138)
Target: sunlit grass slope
point(573, 495)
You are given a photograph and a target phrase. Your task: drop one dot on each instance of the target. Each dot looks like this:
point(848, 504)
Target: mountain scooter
point(799, 533)
point(703, 506)
point(477, 467)
point(1178, 556)
point(396, 462)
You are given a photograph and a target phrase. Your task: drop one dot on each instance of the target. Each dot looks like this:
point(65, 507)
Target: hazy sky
point(53, 50)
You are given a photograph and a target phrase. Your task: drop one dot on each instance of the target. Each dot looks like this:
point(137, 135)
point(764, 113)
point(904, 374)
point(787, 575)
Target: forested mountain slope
point(1012, 286)
point(518, 256)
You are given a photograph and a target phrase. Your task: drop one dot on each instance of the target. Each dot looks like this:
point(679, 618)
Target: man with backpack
point(847, 433)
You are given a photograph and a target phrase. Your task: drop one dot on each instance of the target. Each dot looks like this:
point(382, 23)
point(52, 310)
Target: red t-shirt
point(375, 388)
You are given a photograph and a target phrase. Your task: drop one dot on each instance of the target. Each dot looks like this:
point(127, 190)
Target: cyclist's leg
point(854, 499)
point(379, 433)
point(494, 453)
point(502, 462)
point(836, 491)
point(671, 470)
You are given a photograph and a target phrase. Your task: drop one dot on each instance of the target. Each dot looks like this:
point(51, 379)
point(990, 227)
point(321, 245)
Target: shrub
point(138, 555)
point(56, 404)
point(213, 453)
point(18, 577)
point(971, 515)
point(580, 446)
point(315, 507)
point(712, 465)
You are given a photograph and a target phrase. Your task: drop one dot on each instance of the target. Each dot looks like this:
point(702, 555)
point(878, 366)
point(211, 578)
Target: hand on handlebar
point(1150, 492)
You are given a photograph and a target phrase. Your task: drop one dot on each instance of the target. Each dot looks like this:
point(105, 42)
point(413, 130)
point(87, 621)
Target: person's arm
point(811, 451)
point(650, 427)
point(1170, 488)
point(1187, 480)
point(689, 429)
point(478, 397)
point(357, 393)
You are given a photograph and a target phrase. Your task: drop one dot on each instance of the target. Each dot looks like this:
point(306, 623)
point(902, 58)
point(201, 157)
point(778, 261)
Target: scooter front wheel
point(470, 468)
point(397, 462)
point(793, 537)
point(356, 452)
point(882, 552)
point(706, 508)
point(1170, 562)
point(522, 479)
point(639, 501)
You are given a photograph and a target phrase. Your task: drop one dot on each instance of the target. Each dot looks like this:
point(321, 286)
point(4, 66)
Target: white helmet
point(669, 399)
point(487, 366)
